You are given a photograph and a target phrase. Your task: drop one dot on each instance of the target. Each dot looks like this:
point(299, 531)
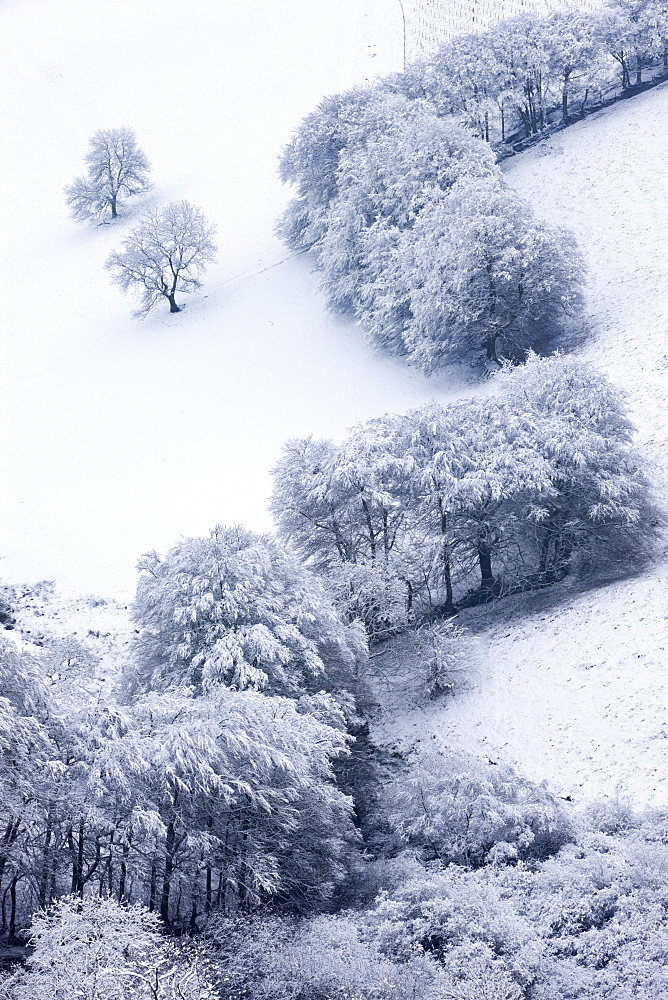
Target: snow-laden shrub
point(96, 949)
point(444, 658)
point(464, 924)
point(470, 812)
point(373, 595)
point(324, 958)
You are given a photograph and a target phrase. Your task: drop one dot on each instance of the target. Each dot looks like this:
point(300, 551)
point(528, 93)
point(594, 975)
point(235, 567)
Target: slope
point(121, 436)
point(572, 686)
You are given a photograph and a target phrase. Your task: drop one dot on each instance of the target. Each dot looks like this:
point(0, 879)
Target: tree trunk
point(369, 524)
point(44, 883)
point(77, 852)
point(193, 908)
point(153, 889)
point(173, 308)
point(638, 71)
point(12, 912)
point(170, 843)
point(564, 105)
point(490, 344)
point(207, 903)
point(10, 835)
point(114, 213)
point(124, 873)
point(485, 558)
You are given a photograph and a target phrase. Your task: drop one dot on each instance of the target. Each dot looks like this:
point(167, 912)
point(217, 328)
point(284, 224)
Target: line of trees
point(515, 74)
point(459, 502)
point(400, 202)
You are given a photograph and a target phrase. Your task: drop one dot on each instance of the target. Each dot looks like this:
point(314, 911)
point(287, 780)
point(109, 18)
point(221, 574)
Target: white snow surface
point(568, 686)
point(120, 435)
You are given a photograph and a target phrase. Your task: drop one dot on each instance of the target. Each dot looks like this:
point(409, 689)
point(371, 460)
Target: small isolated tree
point(165, 254)
point(117, 167)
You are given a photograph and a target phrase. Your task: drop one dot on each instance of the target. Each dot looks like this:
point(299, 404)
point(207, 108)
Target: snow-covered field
point(574, 687)
point(121, 435)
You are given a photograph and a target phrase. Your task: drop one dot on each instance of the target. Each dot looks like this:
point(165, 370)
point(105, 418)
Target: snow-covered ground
point(573, 687)
point(121, 435)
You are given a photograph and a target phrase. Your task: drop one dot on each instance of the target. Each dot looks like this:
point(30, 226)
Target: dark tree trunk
point(153, 886)
point(170, 846)
point(9, 836)
point(638, 70)
point(124, 873)
point(485, 558)
point(490, 344)
point(114, 213)
point(173, 308)
point(12, 912)
point(369, 524)
point(564, 105)
point(193, 907)
point(409, 596)
point(207, 903)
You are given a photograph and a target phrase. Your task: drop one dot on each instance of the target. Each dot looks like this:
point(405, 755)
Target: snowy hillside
point(124, 435)
point(568, 686)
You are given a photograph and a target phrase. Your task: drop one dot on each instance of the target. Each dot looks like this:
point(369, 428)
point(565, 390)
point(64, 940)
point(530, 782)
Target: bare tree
point(117, 167)
point(165, 254)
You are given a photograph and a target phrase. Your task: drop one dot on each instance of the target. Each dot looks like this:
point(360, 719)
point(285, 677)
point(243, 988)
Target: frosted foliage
point(442, 656)
point(468, 812)
point(95, 949)
point(236, 609)
point(326, 956)
point(166, 253)
point(583, 431)
point(23, 739)
point(480, 270)
point(524, 484)
point(117, 168)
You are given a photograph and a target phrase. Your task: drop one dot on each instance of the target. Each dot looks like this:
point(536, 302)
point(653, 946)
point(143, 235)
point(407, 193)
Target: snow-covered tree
point(574, 55)
point(310, 163)
point(117, 168)
point(385, 184)
point(475, 459)
point(237, 609)
point(166, 253)
point(25, 753)
point(344, 509)
point(480, 269)
point(237, 803)
point(95, 949)
point(628, 30)
point(464, 811)
point(599, 497)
